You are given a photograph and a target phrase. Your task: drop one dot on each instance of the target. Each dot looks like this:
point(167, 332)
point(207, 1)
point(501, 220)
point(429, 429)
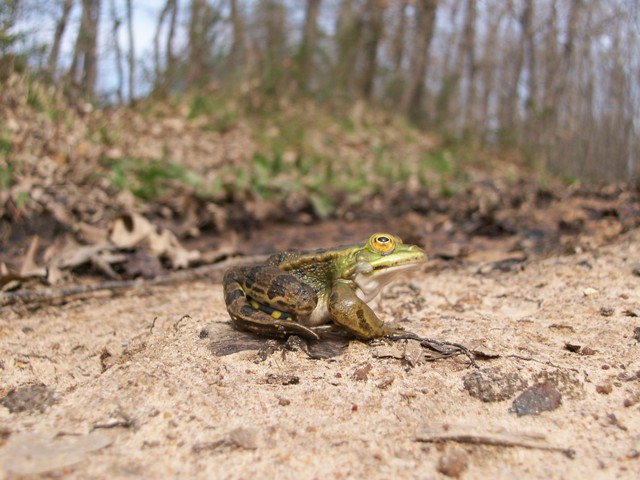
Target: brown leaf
point(133, 230)
point(29, 267)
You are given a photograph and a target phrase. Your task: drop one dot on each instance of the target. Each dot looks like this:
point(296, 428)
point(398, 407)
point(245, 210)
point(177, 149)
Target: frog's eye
point(382, 243)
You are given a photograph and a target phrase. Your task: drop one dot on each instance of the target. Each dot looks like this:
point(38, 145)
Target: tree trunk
point(373, 32)
point(171, 58)
point(509, 118)
point(164, 68)
point(115, 28)
point(489, 65)
point(308, 46)
point(238, 42)
point(196, 44)
point(425, 22)
point(528, 34)
point(61, 26)
point(397, 42)
point(469, 42)
point(348, 30)
point(83, 65)
point(131, 54)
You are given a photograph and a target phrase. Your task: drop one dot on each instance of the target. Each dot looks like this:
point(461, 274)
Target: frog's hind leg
point(354, 315)
point(287, 294)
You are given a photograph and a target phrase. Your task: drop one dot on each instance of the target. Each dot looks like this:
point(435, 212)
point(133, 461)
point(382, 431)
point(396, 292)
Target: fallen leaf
point(133, 230)
point(29, 267)
point(32, 454)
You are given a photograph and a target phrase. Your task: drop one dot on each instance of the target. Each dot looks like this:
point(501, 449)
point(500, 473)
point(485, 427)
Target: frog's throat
point(369, 282)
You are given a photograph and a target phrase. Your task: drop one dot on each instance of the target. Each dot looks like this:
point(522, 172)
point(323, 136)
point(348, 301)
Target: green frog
point(303, 293)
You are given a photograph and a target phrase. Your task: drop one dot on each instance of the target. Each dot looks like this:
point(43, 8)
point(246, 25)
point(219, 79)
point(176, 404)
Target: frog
point(305, 293)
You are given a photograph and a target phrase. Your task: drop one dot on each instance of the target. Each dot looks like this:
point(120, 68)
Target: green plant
point(34, 100)
point(6, 177)
point(105, 136)
point(200, 105)
point(437, 162)
point(148, 179)
point(5, 146)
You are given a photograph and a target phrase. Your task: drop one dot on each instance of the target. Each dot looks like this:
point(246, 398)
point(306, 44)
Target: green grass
point(6, 177)
point(149, 179)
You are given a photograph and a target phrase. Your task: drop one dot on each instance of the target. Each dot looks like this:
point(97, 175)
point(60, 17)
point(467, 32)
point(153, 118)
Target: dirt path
point(132, 389)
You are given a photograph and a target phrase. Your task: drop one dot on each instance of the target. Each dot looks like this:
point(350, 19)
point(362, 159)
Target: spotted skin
point(300, 292)
point(294, 301)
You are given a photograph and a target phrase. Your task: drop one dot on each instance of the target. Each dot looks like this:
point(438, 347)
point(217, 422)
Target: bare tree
point(309, 43)
point(238, 41)
point(348, 29)
point(425, 21)
point(374, 12)
point(84, 64)
point(165, 69)
point(469, 55)
point(528, 34)
point(131, 55)
point(197, 43)
point(399, 35)
point(116, 21)
point(511, 74)
point(489, 65)
point(272, 31)
point(61, 26)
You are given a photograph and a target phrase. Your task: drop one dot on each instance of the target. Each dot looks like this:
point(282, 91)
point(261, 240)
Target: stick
point(461, 435)
point(438, 346)
point(48, 295)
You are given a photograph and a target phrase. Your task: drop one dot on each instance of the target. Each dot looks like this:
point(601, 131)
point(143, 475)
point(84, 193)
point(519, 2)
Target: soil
point(135, 386)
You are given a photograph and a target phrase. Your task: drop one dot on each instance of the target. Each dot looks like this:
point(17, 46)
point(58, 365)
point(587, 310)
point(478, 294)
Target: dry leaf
point(132, 230)
point(29, 267)
point(32, 454)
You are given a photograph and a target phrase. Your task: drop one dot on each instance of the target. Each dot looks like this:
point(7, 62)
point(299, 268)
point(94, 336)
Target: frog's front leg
point(268, 301)
point(351, 313)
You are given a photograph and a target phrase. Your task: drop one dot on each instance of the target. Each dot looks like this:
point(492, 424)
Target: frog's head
point(379, 260)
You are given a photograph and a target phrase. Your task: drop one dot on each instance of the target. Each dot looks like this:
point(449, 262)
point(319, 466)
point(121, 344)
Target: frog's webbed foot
point(261, 324)
point(445, 349)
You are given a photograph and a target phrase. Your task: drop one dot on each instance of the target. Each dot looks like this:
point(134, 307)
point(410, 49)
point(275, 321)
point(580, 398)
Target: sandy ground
point(129, 387)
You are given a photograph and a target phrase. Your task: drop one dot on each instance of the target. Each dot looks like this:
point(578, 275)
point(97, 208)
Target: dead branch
point(52, 295)
point(501, 439)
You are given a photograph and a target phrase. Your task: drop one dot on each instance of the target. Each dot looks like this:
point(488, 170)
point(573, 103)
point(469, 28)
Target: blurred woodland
point(139, 137)
point(556, 80)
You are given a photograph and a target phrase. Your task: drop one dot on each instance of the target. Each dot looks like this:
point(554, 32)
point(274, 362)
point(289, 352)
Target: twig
point(461, 435)
point(116, 424)
point(547, 362)
point(49, 295)
point(177, 324)
point(438, 346)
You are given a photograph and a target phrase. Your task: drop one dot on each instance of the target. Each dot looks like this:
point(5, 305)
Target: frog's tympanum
point(301, 293)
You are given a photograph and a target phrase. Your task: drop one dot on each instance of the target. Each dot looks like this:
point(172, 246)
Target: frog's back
point(316, 268)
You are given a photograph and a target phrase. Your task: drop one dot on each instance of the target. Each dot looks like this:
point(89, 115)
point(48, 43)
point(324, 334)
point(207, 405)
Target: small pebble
point(453, 463)
point(606, 311)
point(541, 397)
point(587, 292)
point(244, 438)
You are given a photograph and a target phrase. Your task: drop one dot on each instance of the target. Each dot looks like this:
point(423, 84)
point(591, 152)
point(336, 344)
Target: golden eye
point(382, 243)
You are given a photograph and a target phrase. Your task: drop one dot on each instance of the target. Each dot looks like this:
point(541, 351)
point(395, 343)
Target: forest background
point(556, 81)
